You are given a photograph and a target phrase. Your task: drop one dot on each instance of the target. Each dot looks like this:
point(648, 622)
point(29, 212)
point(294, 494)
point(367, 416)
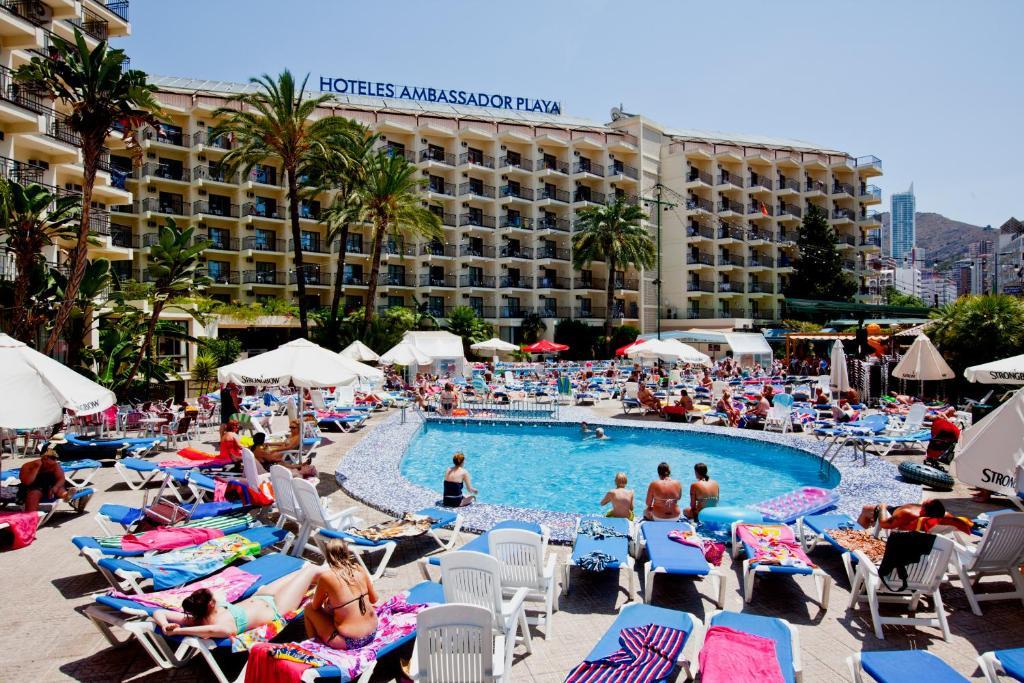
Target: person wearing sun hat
point(43, 479)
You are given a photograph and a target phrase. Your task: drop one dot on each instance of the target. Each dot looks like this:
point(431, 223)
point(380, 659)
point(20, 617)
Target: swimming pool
point(549, 467)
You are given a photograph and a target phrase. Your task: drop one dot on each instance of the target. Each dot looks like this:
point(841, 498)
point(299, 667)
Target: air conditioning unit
point(250, 195)
point(40, 163)
point(202, 193)
point(39, 13)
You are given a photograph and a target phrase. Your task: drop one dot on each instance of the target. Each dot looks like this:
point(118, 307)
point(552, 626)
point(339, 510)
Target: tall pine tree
point(818, 272)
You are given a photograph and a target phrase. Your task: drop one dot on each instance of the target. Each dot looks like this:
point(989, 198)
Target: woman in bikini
point(449, 399)
point(207, 617)
point(663, 496)
point(342, 615)
point(703, 492)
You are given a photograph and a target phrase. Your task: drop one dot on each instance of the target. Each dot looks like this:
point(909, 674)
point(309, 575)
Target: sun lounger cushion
point(893, 667)
point(113, 546)
point(785, 548)
point(443, 518)
point(68, 467)
point(1012, 662)
point(127, 516)
point(669, 555)
point(481, 544)
point(766, 627)
point(613, 546)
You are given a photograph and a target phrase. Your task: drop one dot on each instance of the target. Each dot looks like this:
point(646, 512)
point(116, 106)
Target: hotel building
point(507, 187)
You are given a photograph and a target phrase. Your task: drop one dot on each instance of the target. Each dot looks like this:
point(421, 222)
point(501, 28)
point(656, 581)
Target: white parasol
point(299, 362)
point(991, 452)
point(1004, 371)
point(923, 362)
point(404, 353)
point(668, 350)
point(359, 351)
point(839, 379)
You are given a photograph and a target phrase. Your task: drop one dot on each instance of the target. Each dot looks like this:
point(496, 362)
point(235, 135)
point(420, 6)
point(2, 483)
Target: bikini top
point(361, 598)
point(241, 618)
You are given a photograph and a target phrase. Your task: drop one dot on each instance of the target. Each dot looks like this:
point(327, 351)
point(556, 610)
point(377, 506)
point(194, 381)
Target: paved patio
point(47, 638)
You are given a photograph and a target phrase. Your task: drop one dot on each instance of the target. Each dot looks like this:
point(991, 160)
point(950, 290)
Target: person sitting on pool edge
point(912, 517)
point(703, 492)
point(620, 497)
point(663, 496)
point(454, 479)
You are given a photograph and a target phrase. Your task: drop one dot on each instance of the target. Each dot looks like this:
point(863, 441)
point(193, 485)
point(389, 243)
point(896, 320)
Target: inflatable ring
point(723, 517)
point(917, 473)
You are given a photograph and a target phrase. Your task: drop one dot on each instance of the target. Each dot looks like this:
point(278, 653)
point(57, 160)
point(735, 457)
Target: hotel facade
point(506, 185)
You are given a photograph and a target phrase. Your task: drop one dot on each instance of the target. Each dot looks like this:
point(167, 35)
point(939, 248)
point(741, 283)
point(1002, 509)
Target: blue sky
point(935, 88)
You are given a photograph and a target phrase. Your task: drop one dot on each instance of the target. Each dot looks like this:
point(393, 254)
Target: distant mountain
point(943, 239)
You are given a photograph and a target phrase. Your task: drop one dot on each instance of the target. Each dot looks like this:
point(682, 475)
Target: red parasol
point(544, 346)
point(621, 351)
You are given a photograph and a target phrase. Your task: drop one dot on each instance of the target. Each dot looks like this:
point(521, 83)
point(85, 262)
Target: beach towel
point(22, 527)
point(595, 561)
point(168, 538)
point(396, 619)
point(178, 567)
point(713, 550)
point(228, 586)
point(773, 545)
point(191, 464)
point(221, 522)
point(408, 526)
point(648, 653)
point(230, 490)
point(600, 531)
point(858, 539)
point(729, 655)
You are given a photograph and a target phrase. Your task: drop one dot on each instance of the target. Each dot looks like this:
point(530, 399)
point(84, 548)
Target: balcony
point(479, 281)
point(131, 207)
point(756, 234)
point(554, 311)
point(309, 246)
point(730, 232)
point(352, 246)
point(870, 194)
point(552, 282)
point(592, 313)
point(700, 313)
point(551, 165)
point(730, 260)
point(617, 169)
point(393, 249)
point(730, 287)
point(437, 157)
point(354, 280)
point(515, 192)
point(595, 284)
point(630, 285)
point(553, 195)
point(787, 185)
point(441, 188)
point(203, 207)
point(700, 259)
point(471, 251)
point(165, 135)
point(758, 210)
point(20, 171)
point(871, 241)
point(434, 249)
point(92, 24)
point(843, 215)
point(215, 174)
point(165, 172)
point(559, 224)
point(476, 190)
point(396, 280)
point(201, 138)
point(517, 222)
point(761, 287)
point(700, 231)
point(311, 276)
point(221, 277)
point(815, 187)
point(553, 253)
point(519, 163)
point(510, 251)
point(839, 188)
point(699, 204)
point(221, 242)
point(760, 262)
point(264, 176)
point(515, 312)
point(118, 8)
point(122, 238)
point(791, 210)
point(586, 195)
point(263, 277)
point(707, 286)
point(728, 180)
point(266, 243)
point(309, 211)
point(261, 210)
point(869, 165)
point(58, 128)
point(516, 282)
point(170, 207)
point(473, 159)
point(447, 219)
point(588, 168)
point(21, 95)
point(871, 219)
point(759, 183)
point(698, 177)
point(445, 280)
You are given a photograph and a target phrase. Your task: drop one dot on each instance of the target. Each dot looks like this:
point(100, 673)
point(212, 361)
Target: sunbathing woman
point(269, 456)
point(204, 616)
point(342, 615)
point(648, 399)
point(725, 405)
point(663, 496)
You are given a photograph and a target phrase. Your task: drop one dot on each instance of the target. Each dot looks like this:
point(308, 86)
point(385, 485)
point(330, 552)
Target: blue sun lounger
point(170, 652)
point(128, 517)
point(633, 615)
point(481, 544)
point(76, 472)
point(896, 666)
point(666, 556)
point(884, 444)
point(443, 517)
point(616, 547)
point(137, 473)
point(1009, 662)
point(751, 567)
point(127, 574)
point(811, 530)
point(787, 641)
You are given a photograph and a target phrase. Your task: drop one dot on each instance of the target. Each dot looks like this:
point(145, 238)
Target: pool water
point(557, 468)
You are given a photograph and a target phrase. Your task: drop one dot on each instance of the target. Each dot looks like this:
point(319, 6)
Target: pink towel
point(169, 538)
point(23, 526)
point(773, 544)
point(229, 585)
point(712, 550)
point(729, 656)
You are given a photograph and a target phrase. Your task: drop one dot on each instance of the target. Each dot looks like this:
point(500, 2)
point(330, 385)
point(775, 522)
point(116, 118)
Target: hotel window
point(219, 271)
point(353, 274)
point(265, 240)
point(584, 164)
point(169, 134)
point(476, 216)
point(585, 308)
point(396, 301)
point(221, 238)
point(475, 156)
point(512, 303)
point(476, 186)
point(435, 152)
point(475, 246)
point(550, 162)
point(170, 169)
point(514, 188)
point(354, 244)
point(265, 175)
point(309, 209)
point(310, 241)
point(266, 273)
point(583, 193)
point(171, 203)
point(396, 274)
point(219, 205)
point(514, 218)
point(173, 350)
point(353, 303)
point(311, 273)
point(437, 277)
point(437, 184)
point(476, 276)
point(549, 306)
point(586, 278)
point(265, 206)
point(435, 306)
point(396, 149)
point(477, 304)
point(513, 158)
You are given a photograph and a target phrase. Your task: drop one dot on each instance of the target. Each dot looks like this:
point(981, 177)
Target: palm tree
point(174, 267)
point(532, 327)
point(978, 329)
point(91, 293)
point(275, 123)
point(101, 97)
point(342, 170)
point(31, 218)
point(613, 234)
point(392, 206)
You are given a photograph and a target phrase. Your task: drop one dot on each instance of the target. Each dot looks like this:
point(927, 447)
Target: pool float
point(808, 500)
point(723, 517)
point(917, 473)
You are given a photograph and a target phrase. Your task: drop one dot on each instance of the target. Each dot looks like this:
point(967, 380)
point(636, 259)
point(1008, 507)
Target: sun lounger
point(173, 652)
point(813, 529)
point(76, 472)
point(360, 545)
point(128, 517)
point(883, 444)
point(84, 447)
point(745, 538)
point(137, 473)
point(666, 556)
point(128, 574)
point(893, 666)
point(615, 547)
point(633, 616)
point(77, 501)
point(481, 543)
point(780, 631)
point(1010, 662)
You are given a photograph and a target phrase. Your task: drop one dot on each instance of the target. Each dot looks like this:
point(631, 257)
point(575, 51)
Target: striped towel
point(222, 522)
point(648, 653)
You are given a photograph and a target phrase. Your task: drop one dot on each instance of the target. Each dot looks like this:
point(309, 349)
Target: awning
point(747, 344)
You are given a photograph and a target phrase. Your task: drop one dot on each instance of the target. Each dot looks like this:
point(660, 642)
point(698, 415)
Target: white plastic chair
point(253, 472)
point(344, 397)
point(1000, 552)
point(457, 643)
point(316, 515)
point(475, 579)
point(317, 397)
point(923, 580)
point(779, 419)
point(521, 554)
point(911, 423)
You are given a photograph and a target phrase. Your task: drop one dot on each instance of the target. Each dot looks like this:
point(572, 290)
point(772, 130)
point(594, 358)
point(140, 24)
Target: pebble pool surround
point(370, 471)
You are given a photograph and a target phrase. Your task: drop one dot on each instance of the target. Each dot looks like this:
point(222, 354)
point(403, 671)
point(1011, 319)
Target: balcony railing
point(156, 170)
point(264, 176)
point(354, 279)
point(554, 195)
point(516, 282)
point(437, 157)
point(203, 137)
point(509, 251)
point(20, 94)
point(790, 210)
point(508, 162)
point(406, 154)
point(756, 209)
point(481, 281)
point(702, 286)
point(261, 210)
point(165, 136)
point(221, 242)
point(447, 189)
point(842, 188)
point(309, 246)
point(730, 260)
point(623, 170)
point(21, 171)
point(448, 219)
point(553, 253)
point(117, 7)
point(871, 241)
point(730, 287)
point(726, 231)
point(869, 160)
point(815, 186)
point(588, 167)
point(517, 222)
point(481, 160)
point(263, 277)
point(871, 191)
point(546, 282)
point(556, 166)
point(730, 179)
point(756, 235)
point(131, 207)
point(122, 238)
point(214, 173)
point(58, 128)
point(844, 214)
point(517, 192)
point(701, 258)
point(174, 207)
point(310, 275)
point(482, 251)
point(476, 190)
point(431, 249)
point(559, 224)
point(515, 312)
point(698, 230)
point(263, 243)
point(93, 24)
point(393, 249)
point(759, 181)
point(588, 195)
point(698, 176)
point(222, 277)
point(760, 261)
point(699, 204)
point(726, 204)
point(761, 287)
point(631, 285)
point(789, 184)
point(396, 280)
point(554, 311)
point(590, 283)
point(208, 208)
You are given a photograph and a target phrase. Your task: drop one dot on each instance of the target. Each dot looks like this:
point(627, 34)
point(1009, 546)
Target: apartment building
point(508, 186)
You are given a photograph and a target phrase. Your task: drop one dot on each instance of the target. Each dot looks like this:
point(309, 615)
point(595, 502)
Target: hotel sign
point(348, 86)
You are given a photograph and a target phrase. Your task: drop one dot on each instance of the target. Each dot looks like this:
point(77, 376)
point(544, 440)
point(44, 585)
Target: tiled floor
point(45, 637)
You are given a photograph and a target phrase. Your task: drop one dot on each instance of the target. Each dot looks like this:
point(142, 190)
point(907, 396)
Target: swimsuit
point(352, 643)
point(44, 482)
point(237, 612)
point(452, 496)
